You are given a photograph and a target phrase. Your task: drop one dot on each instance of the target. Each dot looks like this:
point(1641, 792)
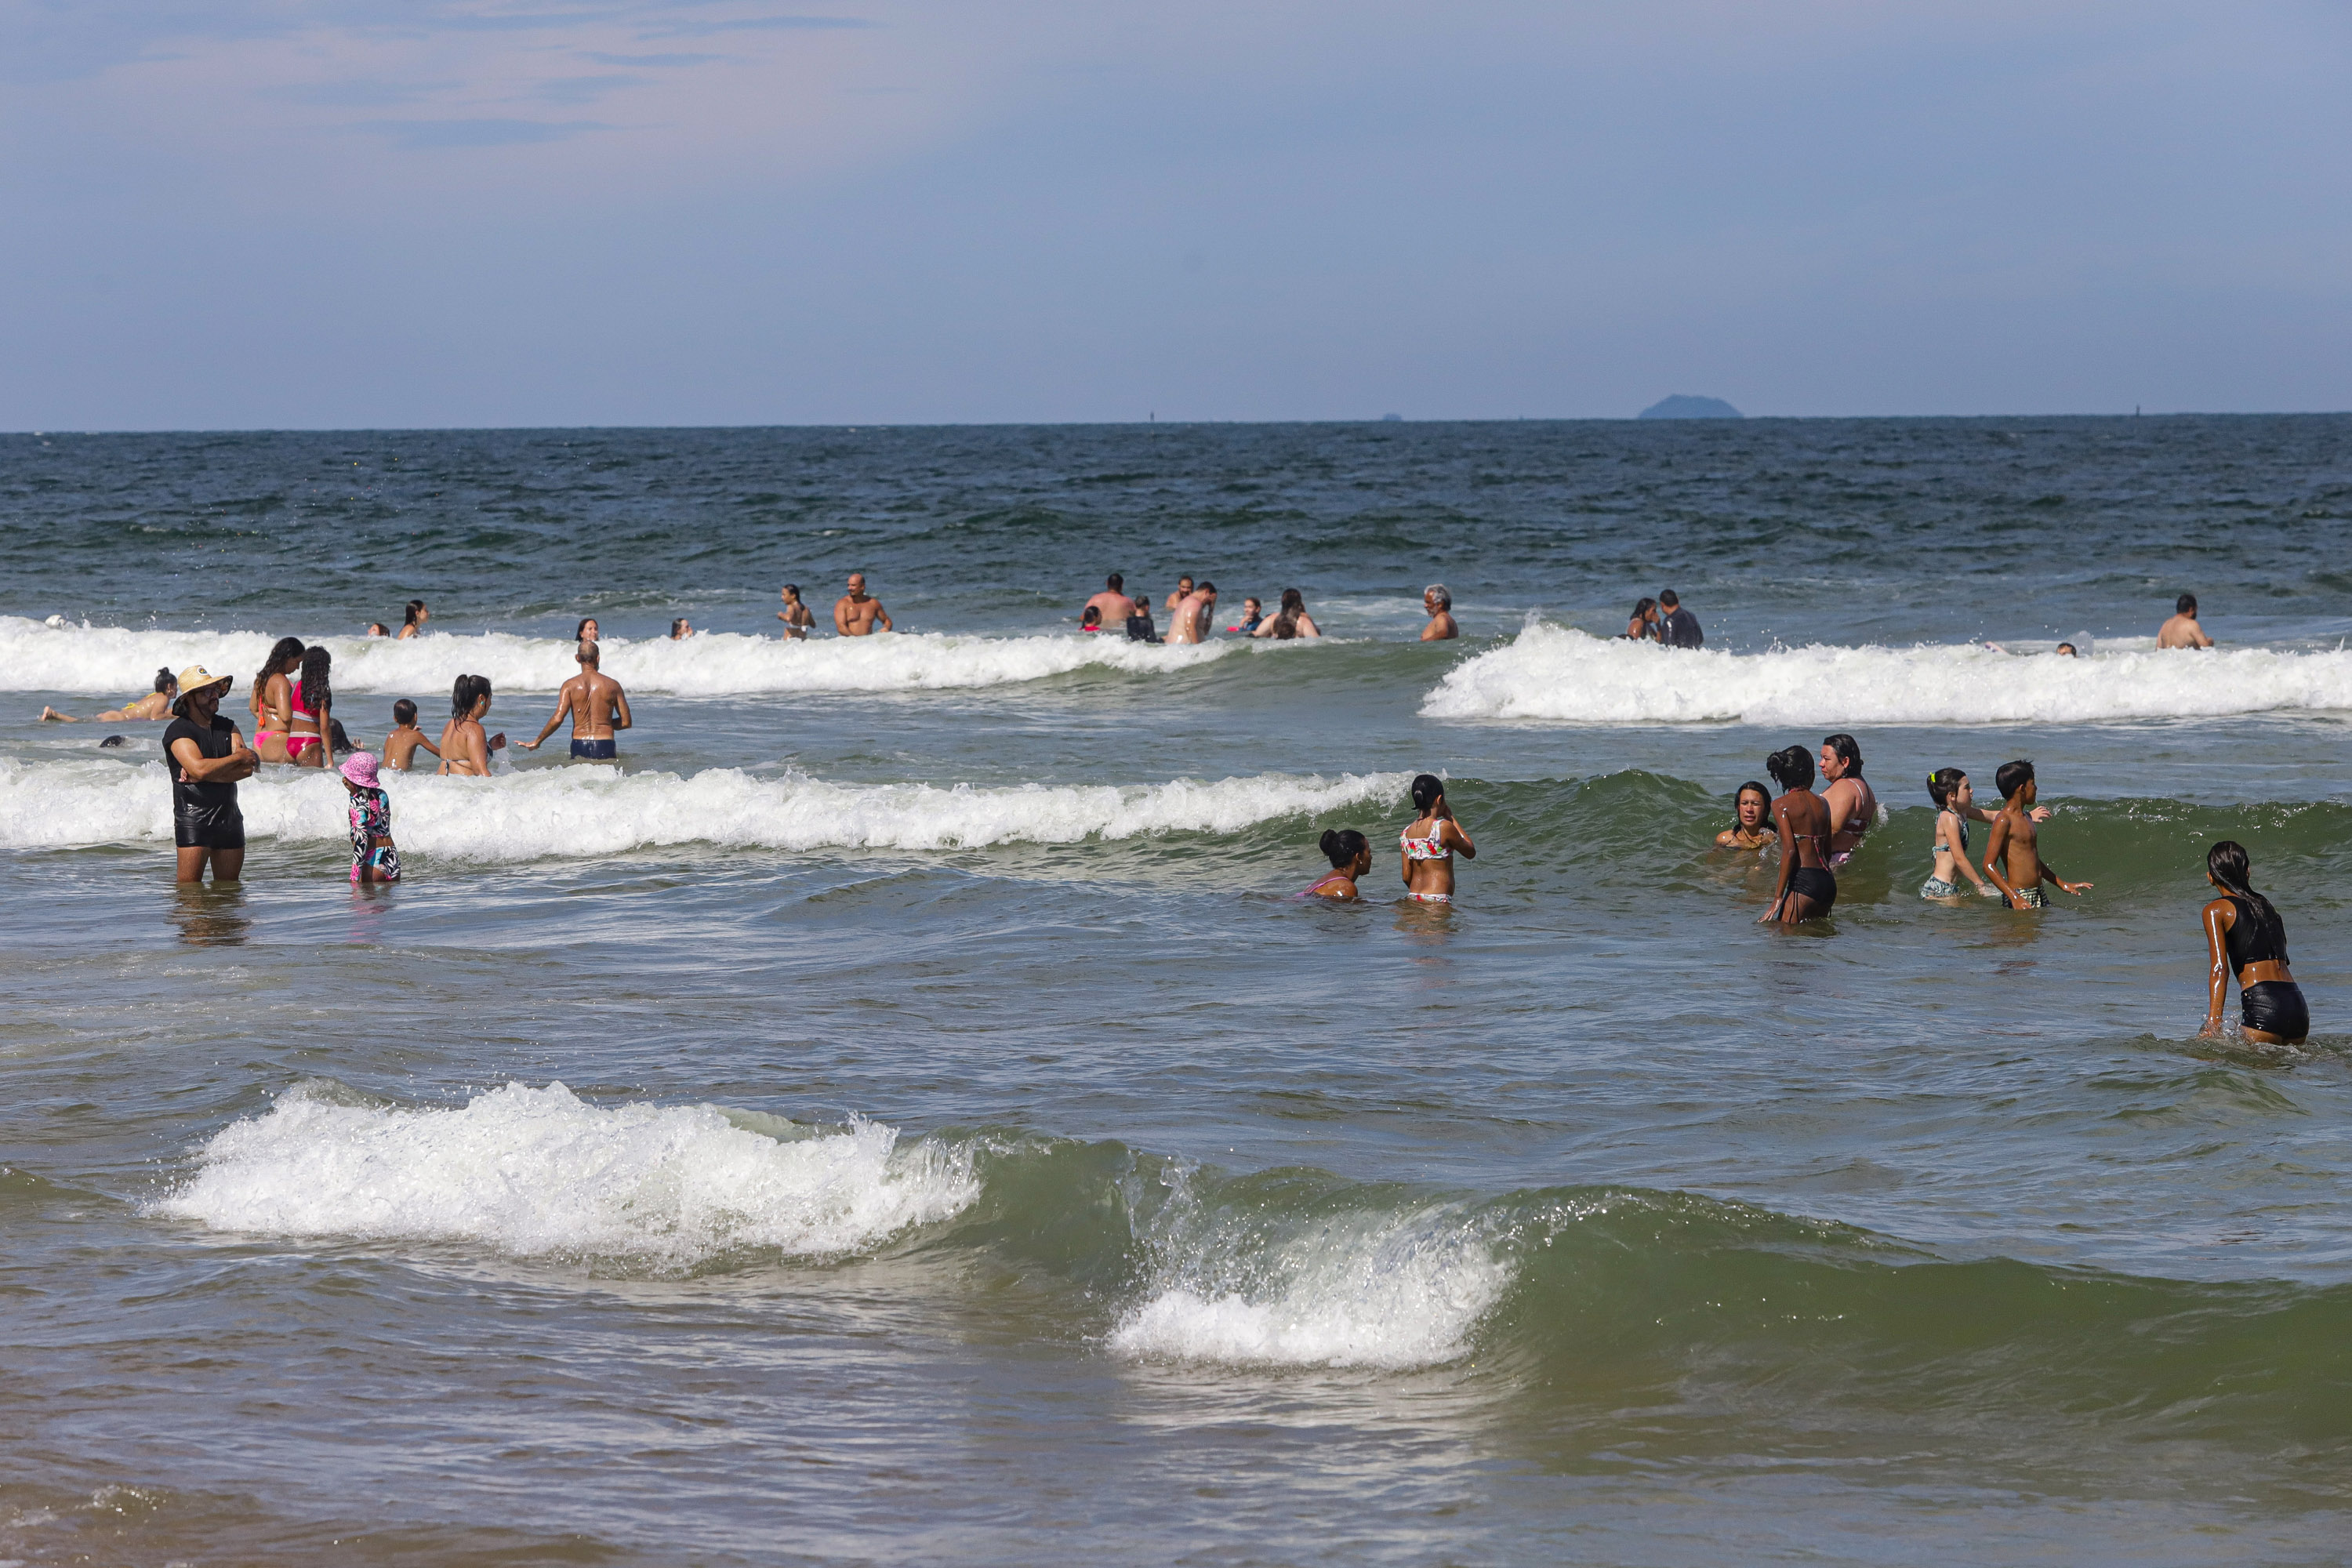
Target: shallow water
point(901, 1113)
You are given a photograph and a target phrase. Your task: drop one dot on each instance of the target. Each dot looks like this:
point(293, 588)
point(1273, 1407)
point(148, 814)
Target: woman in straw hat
point(207, 757)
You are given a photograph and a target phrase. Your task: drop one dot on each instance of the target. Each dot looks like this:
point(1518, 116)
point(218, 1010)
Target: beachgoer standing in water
point(465, 750)
point(2182, 630)
point(206, 758)
point(1956, 806)
point(1643, 624)
point(1350, 854)
point(857, 615)
point(2245, 936)
point(1111, 606)
point(1805, 889)
point(1437, 603)
point(1183, 591)
point(1253, 613)
point(413, 623)
point(400, 746)
point(2014, 848)
point(597, 706)
point(273, 699)
point(1679, 627)
point(1429, 843)
point(373, 858)
point(585, 631)
point(313, 701)
point(1853, 805)
point(1191, 624)
point(155, 705)
point(1291, 621)
point(1751, 807)
point(798, 618)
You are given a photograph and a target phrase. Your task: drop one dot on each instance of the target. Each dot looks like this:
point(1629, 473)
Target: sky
point(249, 213)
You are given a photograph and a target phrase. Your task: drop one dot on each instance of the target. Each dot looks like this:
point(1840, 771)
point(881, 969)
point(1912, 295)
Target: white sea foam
point(118, 662)
point(1378, 1289)
point(1555, 674)
point(529, 1171)
point(572, 811)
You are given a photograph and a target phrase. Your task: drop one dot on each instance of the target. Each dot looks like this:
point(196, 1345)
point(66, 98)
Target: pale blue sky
point(242, 213)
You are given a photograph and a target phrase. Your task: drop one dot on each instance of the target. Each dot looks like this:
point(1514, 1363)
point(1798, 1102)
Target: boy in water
point(2014, 851)
point(400, 746)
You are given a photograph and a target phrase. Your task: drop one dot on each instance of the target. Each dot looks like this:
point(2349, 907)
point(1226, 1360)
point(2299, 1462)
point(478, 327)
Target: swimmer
point(1111, 606)
point(857, 614)
point(2013, 849)
point(309, 698)
point(378, 629)
point(597, 706)
point(273, 699)
point(1091, 620)
point(1428, 845)
point(1642, 626)
point(156, 705)
point(1806, 889)
point(1350, 856)
point(1752, 804)
point(1955, 800)
point(1253, 612)
point(2182, 630)
point(373, 858)
point(1437, 603)
point(412, 624)
point(465, 750)
point(400, 746)
point(1853, 805)
point(1139, 624)
point(1291, 620)
point(2244, 935)
point(2068, 650)
point(798, 618)
point(585, 631)
point(1192, 623)
point(1183, 591)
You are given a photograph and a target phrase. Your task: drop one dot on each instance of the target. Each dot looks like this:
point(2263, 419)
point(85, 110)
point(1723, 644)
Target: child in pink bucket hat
point(374, 859)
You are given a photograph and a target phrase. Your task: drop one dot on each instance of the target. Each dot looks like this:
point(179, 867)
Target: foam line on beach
point(1552, 674)
point(572, 812)
point(117, 662)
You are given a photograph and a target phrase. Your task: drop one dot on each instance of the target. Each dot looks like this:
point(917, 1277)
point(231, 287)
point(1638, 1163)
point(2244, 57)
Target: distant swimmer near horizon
point(2245, 936)
point(597, 706)
point(2182, 630)
point(1350, 854)
point(1429, 843)
point(856, 613)
point(156, 705)
point(2014, 848)
point(1806, 888)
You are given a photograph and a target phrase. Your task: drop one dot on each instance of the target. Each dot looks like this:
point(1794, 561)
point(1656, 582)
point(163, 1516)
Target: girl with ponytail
point(1351, 855)
point(1430, 844)
point(2245, 936)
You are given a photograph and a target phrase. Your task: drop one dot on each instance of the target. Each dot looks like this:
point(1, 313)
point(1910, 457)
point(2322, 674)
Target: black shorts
point(208, 826)
point(596, 751)
point(1815, 884)
point(2275, 1007)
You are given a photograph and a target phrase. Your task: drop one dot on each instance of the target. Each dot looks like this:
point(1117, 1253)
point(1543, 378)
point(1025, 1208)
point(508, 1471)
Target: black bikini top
point(2251, 939)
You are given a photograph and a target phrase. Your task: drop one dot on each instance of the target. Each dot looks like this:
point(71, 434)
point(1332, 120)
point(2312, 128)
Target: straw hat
point(196, 677)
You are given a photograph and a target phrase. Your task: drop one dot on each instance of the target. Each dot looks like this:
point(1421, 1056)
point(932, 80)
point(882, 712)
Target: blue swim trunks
point(595, 751)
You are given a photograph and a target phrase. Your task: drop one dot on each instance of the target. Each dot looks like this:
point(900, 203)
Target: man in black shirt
point(1679, 627)
point(207, 757)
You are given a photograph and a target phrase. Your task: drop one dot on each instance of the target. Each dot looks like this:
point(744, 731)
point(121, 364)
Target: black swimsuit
point(2272, 1006)
point(1814, 882)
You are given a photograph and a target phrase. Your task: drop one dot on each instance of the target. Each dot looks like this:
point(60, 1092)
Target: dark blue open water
point(901, 1114)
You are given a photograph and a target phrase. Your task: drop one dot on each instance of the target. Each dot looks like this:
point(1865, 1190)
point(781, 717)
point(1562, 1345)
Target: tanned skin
point(2014, 851)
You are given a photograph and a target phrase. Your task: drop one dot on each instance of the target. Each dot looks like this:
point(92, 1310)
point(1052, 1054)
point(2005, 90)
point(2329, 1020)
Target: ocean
point(903, 1113)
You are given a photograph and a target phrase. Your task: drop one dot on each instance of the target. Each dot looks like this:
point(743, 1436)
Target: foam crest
point(1376, 1289)
point(1553, 673)
point(531, 1171)
point(568, 811)
point(116, 661)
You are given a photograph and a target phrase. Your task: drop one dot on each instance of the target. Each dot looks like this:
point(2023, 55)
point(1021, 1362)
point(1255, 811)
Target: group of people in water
point(1192, 607)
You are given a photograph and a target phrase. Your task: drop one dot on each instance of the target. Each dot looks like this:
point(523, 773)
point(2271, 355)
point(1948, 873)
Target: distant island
point(1683, 406)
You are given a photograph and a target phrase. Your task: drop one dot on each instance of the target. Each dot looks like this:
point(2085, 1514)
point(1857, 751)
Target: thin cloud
point(575, 89)
point(656, 62)
point(358, 94)
point(418, 134)
point(753, 25)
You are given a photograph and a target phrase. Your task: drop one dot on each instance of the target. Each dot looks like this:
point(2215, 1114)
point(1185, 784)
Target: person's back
point(1677, 627)
point(2183, 630)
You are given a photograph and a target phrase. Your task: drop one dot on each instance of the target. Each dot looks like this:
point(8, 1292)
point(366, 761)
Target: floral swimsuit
point(372, 820)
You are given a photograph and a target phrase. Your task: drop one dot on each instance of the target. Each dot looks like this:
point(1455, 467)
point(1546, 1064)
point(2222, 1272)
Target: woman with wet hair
point(585, 631)
point(1643, 626)
point(273, 700)
point(1291, 620)
point(1430, 843)
point(465, 750)
point(1806, 889)
point(412, 624)
point(2245, 936)
point(1853, 805)
point(312, 700)
point(1751, 809)
point(1350, 854)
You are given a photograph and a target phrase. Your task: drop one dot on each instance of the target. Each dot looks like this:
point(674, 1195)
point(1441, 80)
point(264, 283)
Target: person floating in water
point(596, 706)
point(373, 858)
point(156, 705)
point(2182, 630)
point(2013, 849)
point(1351, 855)
point(400, 746)
point(2245, 936)
point(1853, 805)
point(1806, 888)
point(1751, 807)
point(1430, 842)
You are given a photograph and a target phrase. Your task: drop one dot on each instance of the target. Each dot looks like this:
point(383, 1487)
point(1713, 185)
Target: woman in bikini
point(1351, 855)
point(1752, 806)
point(309, 716)
point(1430, 843)
point(273, 700)
point(1806, 889)
point(465, 750)
point(1643, 625)
point(2244, 936)
point(1291, 621)
point(414, 625)
point(156, 704)
point(1853, 805)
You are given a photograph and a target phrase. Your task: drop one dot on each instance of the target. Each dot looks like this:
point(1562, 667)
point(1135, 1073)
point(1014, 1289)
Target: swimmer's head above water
point(1752, 803)
point(1947, 787)
point(1841, 757)
point(1344, 846)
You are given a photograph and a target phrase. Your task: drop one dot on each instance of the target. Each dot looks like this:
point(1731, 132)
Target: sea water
point(902, 1112)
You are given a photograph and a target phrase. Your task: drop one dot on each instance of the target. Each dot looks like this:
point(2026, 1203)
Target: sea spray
point(1557, 674)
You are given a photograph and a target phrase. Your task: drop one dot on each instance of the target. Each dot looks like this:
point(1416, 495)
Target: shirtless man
point(2014, 851)
point(856, 615)
point(597, 706)
point(1192, 615)
point(1112, 603)
point(798, 618)
point(2182, 630)
point(1437, 602)
point(400, 746)
point(1853, 805)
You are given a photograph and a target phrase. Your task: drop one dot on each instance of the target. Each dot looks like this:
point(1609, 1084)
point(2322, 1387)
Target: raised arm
point(1450, 831)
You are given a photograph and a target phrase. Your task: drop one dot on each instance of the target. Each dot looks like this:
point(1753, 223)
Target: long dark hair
point(1342, 844)
point(580, 632)
point(469, 690)
point(315, 695)
point(2227, 861)
point(1427, 791)
point(1285, 619)
point(1791, 767)
point(166, 681)
point(1642, 608)
point(284, 649)
point(1743, 789)
point(1843, 746)
point(414, 607)
point(1942, 782)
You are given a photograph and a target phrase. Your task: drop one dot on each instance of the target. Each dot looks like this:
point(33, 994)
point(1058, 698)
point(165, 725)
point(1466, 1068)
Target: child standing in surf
point(1429, 844)
point(2013, 849)
point(373, 858)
